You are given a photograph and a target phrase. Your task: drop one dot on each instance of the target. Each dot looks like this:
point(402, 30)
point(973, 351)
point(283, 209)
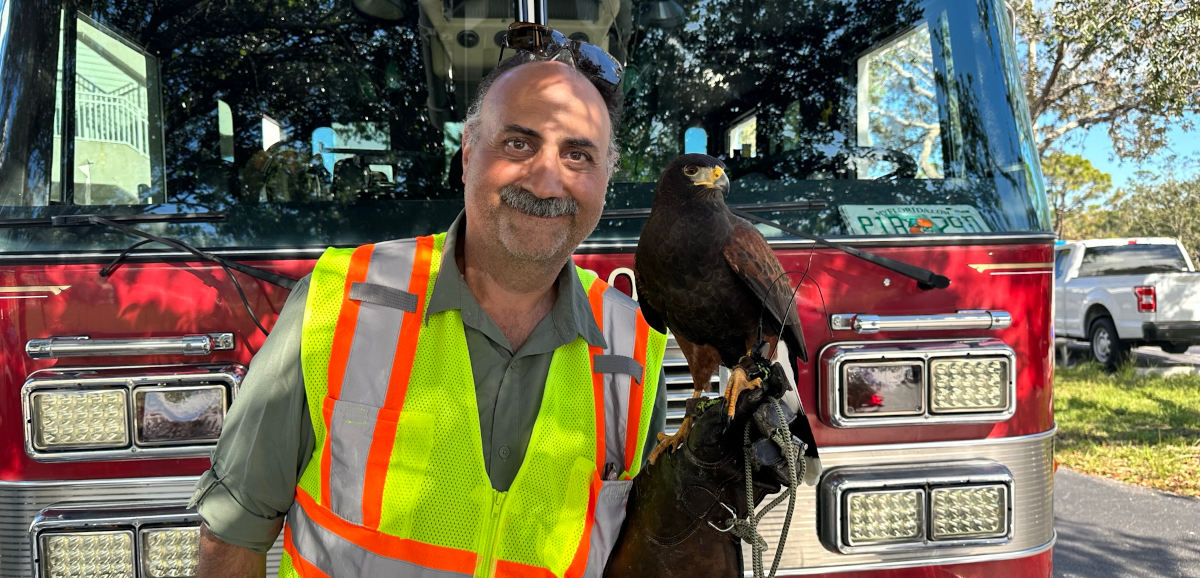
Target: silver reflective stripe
point(610, 514)
point(384, 295)
point(338, 557)
point(617, 364)
point(365, 382)
point(350, 431)
point(620, 332)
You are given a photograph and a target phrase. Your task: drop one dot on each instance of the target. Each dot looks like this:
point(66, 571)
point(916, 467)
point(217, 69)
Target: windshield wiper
point(925, 278)
point(226, 264)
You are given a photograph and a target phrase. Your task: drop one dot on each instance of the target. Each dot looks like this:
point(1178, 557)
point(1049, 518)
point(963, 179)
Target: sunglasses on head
point(545, 43)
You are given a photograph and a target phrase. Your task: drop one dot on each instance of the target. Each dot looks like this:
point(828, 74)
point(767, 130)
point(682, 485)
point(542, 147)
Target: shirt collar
point(570, 317)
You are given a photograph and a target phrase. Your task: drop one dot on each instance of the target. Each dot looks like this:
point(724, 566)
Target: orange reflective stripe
point(636, 391)
point(427, 555)
point(384, 440)
point(506, 569)
point(579, 563)
point(596, 298)
point(299, 564)
point(343, 337)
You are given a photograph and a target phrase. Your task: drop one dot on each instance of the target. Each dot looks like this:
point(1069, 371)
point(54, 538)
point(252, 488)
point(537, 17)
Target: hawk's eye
point(691, 170)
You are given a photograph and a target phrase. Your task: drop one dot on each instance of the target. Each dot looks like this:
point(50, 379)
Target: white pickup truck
point(1120, 293)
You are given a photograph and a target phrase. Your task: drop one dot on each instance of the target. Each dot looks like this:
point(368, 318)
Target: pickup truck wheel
point(1107, 347)
point(1176, 347)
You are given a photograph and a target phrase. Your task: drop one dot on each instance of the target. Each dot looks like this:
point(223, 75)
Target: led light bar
point(88, 554)
point(127, 412)
point(65, 420)
point(969, 512)
point(963, 385)
point(883, 517)
point(903, 383)
point(909, 506)
point(170, 552)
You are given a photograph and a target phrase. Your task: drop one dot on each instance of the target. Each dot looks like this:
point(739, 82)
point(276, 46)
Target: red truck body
point(932, 407)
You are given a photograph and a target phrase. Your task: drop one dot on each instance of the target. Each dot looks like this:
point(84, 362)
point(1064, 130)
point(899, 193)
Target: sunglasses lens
point(526, 36)
point(597, 63)
point(546, 42)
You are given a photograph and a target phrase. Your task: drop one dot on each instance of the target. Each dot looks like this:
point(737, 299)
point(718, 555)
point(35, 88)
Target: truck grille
point(679, 383)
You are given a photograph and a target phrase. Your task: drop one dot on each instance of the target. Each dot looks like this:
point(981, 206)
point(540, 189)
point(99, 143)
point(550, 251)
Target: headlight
point(911, 506)
point(889, 388)
point(178, 415)
point(88, 554)
point(902, 383)
point(79, 419)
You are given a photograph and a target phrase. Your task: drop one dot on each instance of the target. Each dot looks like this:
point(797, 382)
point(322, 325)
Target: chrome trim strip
point(926, 351)
point(1030, 459)
point(84, 346)
point(127, 379)
point(963, 319)
point(22, 502)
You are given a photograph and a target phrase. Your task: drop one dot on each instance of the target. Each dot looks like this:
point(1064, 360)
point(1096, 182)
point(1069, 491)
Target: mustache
point(525, 201)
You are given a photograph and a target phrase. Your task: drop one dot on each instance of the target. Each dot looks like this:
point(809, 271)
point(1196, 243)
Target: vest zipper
point(485, 566)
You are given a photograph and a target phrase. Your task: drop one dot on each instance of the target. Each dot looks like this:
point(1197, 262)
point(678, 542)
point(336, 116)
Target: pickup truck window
point(1133, 259)
point(1061, 262)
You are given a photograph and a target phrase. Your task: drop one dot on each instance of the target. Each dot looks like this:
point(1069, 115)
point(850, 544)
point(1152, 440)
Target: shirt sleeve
point(266, 441)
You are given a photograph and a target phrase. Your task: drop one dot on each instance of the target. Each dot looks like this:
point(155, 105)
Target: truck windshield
point(310, 123)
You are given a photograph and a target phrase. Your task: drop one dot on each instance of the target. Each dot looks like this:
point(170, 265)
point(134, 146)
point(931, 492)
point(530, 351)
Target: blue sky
point(1096, 147)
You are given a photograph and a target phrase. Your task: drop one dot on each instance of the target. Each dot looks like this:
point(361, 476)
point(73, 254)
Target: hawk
point(712, 279)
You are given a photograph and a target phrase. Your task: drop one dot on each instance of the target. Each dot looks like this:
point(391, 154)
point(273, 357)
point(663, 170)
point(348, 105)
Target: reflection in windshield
point(310, 124)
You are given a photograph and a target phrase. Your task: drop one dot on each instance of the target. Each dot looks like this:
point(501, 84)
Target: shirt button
point(504, 452)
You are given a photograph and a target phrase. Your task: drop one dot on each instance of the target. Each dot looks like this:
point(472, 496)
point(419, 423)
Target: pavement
point(1111, 529)
point(1115, 530)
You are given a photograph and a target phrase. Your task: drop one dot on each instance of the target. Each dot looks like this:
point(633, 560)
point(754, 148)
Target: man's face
point(537, 171)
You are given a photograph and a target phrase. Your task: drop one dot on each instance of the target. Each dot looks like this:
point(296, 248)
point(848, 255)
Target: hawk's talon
point(672, 441)
point(739, 381)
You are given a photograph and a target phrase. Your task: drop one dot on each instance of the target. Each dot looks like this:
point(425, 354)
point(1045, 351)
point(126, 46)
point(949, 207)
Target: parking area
point(1145, 360)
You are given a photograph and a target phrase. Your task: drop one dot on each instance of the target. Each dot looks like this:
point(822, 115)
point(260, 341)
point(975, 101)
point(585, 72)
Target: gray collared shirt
point(268, 435)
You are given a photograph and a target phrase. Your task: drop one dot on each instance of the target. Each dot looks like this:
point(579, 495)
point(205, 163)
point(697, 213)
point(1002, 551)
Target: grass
point(1140, 429)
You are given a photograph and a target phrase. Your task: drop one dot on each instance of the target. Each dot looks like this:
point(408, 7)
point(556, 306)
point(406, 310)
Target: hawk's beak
point(713, 178)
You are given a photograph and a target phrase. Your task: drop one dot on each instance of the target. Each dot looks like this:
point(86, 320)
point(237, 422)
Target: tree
point(1166, 209)
point(1130, 65)
point(1072, 183)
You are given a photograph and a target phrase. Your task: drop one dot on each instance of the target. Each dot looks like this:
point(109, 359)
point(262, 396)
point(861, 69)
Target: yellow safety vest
point(396, 483)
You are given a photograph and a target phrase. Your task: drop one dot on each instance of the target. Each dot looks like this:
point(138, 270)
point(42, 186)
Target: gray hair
point(613, 102)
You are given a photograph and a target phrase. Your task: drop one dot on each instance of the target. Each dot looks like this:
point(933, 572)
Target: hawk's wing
point(749, 255)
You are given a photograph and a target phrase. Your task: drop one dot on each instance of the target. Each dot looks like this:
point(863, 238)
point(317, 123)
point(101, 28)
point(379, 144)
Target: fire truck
point(168, 168)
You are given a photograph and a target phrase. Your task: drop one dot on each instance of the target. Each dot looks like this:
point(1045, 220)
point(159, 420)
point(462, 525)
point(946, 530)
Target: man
point(363, 416)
